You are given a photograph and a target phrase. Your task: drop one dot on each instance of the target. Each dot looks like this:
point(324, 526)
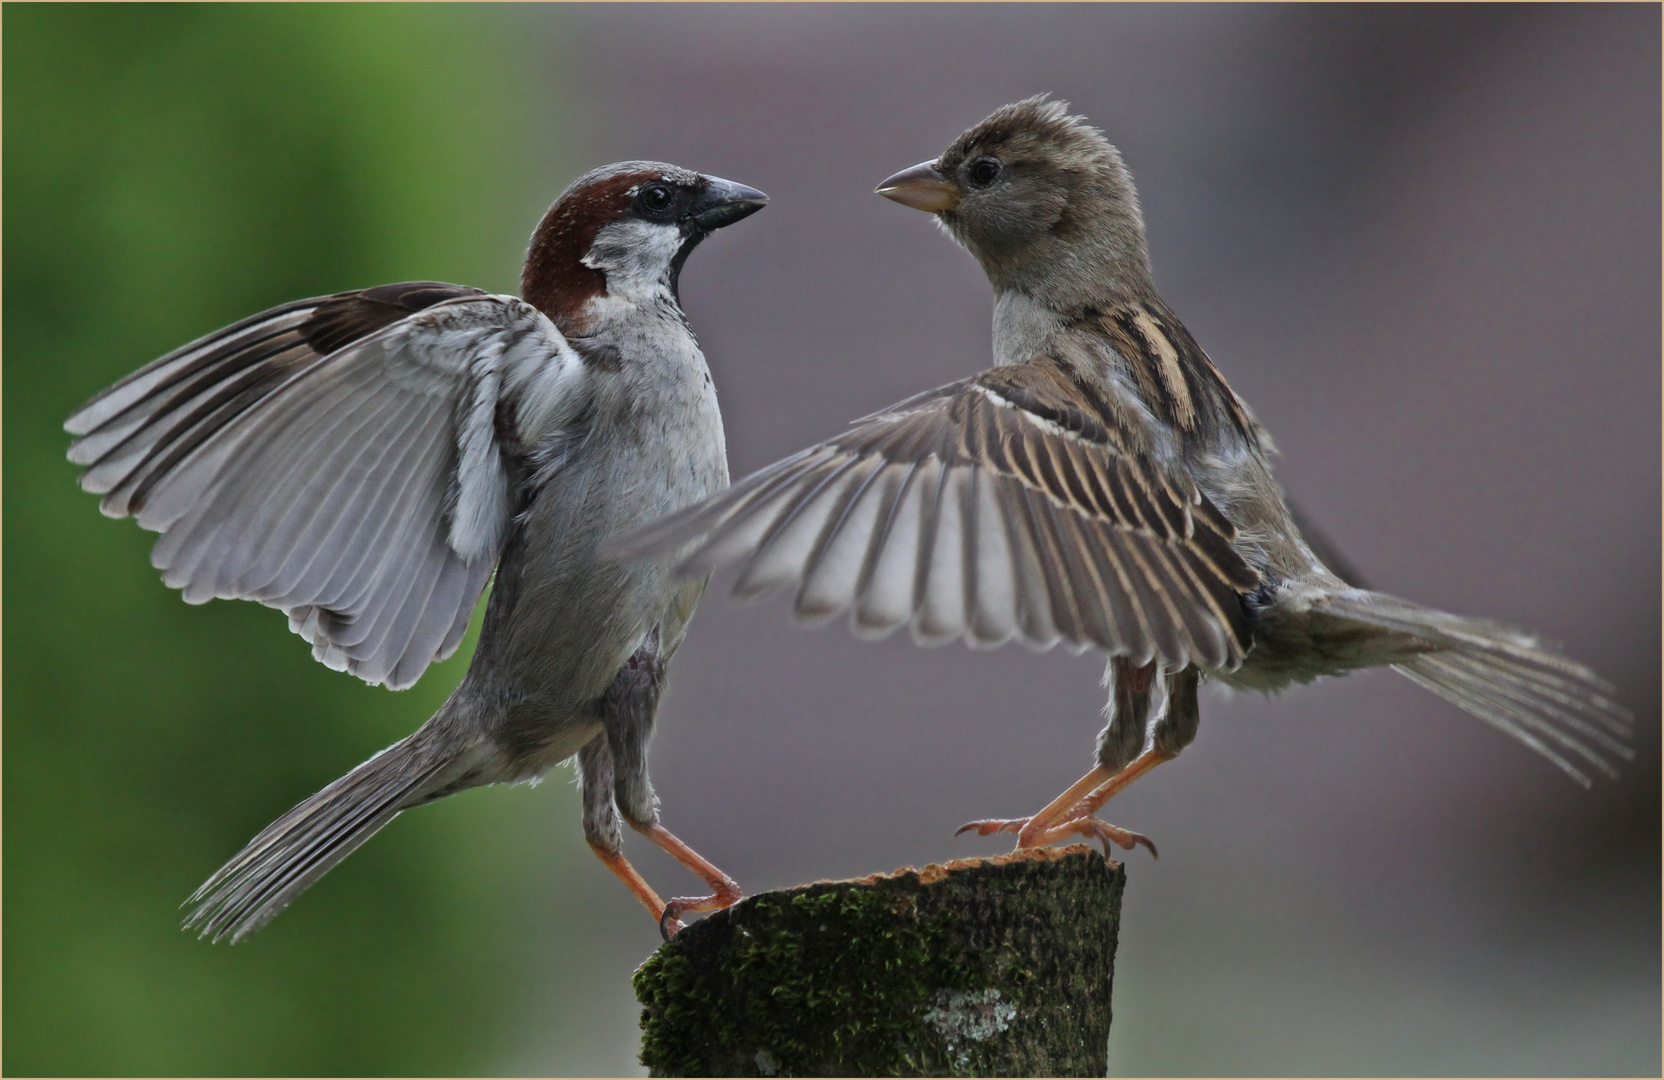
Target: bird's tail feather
point(1556, 706)
point(305, 844)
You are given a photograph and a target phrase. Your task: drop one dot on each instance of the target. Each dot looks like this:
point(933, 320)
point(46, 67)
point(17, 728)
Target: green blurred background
point(169, 169)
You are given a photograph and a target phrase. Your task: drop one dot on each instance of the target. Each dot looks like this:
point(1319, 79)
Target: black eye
point(656, 198)
point(985, 171)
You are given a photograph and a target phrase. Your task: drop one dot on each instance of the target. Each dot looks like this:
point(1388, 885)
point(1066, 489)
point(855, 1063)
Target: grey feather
point(1502, 676)
point(307, 842)
point(363, 491)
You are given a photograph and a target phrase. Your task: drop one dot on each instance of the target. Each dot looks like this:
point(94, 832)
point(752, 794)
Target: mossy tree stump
point(978, 967)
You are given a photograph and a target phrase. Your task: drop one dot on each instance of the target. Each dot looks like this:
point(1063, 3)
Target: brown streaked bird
point(1100, 487)
point(364, 462)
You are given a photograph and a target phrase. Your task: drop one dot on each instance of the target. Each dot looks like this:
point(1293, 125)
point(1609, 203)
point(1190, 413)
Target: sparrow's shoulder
point(1140, 359)
point(347, 317)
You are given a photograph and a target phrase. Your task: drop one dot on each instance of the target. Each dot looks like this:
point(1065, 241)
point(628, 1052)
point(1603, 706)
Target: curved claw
point(991, 826)
point(670, 921)
point(1105, 833)
point(1086, 825)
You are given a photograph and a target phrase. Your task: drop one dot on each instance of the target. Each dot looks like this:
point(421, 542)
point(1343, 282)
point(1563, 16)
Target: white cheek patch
point(636, 256)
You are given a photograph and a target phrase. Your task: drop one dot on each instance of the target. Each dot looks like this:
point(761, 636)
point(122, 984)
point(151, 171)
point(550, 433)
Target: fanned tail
point(305, 844)
point(1556, 706)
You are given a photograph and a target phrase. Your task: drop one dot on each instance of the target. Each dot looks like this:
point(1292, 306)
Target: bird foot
point(1102, 831)
point(1085, 825)
point(990, 826)
point(670, 922)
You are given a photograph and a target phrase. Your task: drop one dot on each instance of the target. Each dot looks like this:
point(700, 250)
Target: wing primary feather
point(968, 555)
point(146, 413)
point(116, 398)
point(929, 505)
point(770, 566)
point(887, 519)
point(991, 575)
point(1166, 624)
point(283, 514)
point(1042, 450)
point(834, 563)
point(1198, 619)
point(711, 524)
point(1125, 636)
point(993, 618)
point(245, 442)
point(1136, 489)
point(357, 587)
point(940, 617)
point(409, 642)
point(339, 512)
point(1052, 561)
point(1096, 614)
point(242, 517)
point(210, 527)
point(1031, 597)
point(884, 599)
point(339, 558)
point(1119, 477)
point(1138, 628)
point(1083, 482)
point(213, 416)
point(351, 512)
point(152, 446)
point(1171, 506)
point(1017, 452)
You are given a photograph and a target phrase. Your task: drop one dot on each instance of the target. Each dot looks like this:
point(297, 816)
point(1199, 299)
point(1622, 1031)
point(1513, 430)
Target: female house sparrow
point(363, 461)
point(1101, 486)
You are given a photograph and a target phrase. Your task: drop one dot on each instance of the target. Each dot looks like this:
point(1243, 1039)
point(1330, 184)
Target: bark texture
point(977, 967)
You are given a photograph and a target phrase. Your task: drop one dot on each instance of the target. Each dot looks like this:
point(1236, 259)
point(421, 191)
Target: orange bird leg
point(637, 884)
point(1079, 820)
point(1054, 811)
point(1146, 761)
point(1070, 814)
point(724, 889)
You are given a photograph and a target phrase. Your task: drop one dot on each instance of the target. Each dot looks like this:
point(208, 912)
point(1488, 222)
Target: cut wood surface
point(977, 967)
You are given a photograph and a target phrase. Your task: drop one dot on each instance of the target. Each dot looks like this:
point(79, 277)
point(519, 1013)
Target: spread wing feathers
point(346, 460)
point(992, 508)
point(1557, 707)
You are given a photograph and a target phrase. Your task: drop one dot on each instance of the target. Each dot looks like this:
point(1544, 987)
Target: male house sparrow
point(363, 461)
point(1101, 486)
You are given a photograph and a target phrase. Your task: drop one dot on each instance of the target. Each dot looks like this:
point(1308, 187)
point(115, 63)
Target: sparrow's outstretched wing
point(1006, 505)
point(346, 459)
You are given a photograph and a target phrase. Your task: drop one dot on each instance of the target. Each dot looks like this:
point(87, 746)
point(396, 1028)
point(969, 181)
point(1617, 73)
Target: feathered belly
point(565, 616)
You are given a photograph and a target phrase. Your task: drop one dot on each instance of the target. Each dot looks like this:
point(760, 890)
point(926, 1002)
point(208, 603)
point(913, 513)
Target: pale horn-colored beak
point(923, 188)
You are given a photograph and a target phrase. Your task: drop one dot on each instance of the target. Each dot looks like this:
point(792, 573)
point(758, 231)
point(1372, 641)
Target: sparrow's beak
point(723, 203)
point(923, 188)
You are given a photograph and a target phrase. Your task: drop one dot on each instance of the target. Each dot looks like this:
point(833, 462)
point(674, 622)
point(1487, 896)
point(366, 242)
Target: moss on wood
point(979, 967)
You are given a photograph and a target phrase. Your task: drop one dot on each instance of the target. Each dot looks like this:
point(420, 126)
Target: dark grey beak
point(723, 203)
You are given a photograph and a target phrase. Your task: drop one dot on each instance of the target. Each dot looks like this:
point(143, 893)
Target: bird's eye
point(656, 198)
point(985, 171)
